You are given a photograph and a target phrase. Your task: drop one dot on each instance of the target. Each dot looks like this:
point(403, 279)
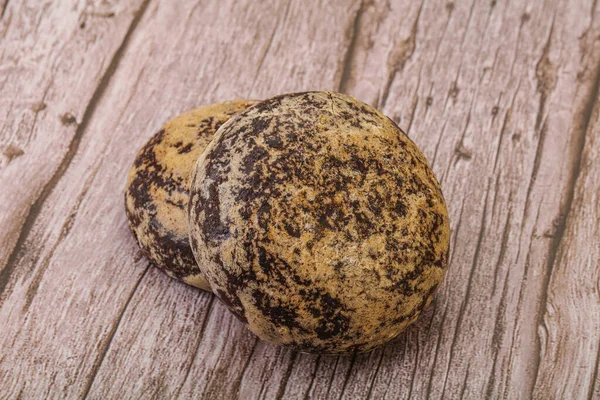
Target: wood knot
point(11, 152)
point(463, 152)
point(546, 74)
point(98, 14)
point(557, 225)
point(39, 106)
point(68, 119)
point(454, 90)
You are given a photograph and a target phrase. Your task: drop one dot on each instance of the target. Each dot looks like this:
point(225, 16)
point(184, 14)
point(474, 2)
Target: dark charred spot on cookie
point(274, 141)
point(291, 229)
point(148, 149)
point(263, 215)
point(257, 154)
point(186, 149)
point(212, 228)
point(263, 260)
point(178, 204)
point(314, 311)
point(333, 322)
point(400, 208)
point(278, 313)
point(324, 222)
point(365, 226)
point(276, 269)
point(349, 116)
point(194, 241)
point(338, 265)
point(403, 286)
point(259, 124)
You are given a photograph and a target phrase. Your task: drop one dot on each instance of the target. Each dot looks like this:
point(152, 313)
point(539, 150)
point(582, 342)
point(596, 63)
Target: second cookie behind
point(156, 195)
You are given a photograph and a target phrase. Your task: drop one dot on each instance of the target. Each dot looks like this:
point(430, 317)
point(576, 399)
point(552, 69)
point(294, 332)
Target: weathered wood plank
point(55, 61)
point(498, 95)
point(569, 333)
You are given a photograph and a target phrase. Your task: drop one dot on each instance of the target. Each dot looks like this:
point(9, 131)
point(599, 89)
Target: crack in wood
point(347, 377)
point(286, 376)
point(546, 77)
point(546, 82)
point(4, 7)
point(64, 232)
point(416, 360)
point(400, 57)
point(436, 355)
point(522, 291)
point(349, 57)
point(414, 107)
point(461, 312)
point(370, 391)
point(207, 315)
point(464, 385)
point(455, 234)
point(507, 116)
point(111, 335)
point(238, 383)
point(503, 242)
point(499, 326)
point(595, 374)
point(444, 32)
point(457, 150)
point(437, 146)
point(468, 24)
point(269, 45)
point(337, 361)
point(312, 378)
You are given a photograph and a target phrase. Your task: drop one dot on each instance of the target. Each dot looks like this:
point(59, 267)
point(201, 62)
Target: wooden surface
point(501, 95)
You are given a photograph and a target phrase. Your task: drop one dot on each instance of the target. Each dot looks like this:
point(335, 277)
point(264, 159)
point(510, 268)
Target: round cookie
point(156, 196)
point(319, 223)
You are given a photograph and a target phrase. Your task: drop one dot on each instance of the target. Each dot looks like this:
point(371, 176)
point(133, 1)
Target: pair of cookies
point(312, 216)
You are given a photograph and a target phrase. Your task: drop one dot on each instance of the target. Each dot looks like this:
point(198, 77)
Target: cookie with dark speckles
point(156, 196)
point(319, 223)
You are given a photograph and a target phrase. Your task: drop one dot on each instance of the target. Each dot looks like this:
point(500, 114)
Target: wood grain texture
point(56, 59)
point(571, 322)
point(500, 95)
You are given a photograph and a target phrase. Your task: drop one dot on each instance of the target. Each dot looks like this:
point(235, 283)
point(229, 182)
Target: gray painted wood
point(501, 96)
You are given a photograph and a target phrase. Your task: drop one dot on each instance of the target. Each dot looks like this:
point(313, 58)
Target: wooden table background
point(501, 95)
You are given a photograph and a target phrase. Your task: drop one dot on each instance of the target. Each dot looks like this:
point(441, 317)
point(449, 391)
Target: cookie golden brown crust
point(156, 195)
point(319, 223)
